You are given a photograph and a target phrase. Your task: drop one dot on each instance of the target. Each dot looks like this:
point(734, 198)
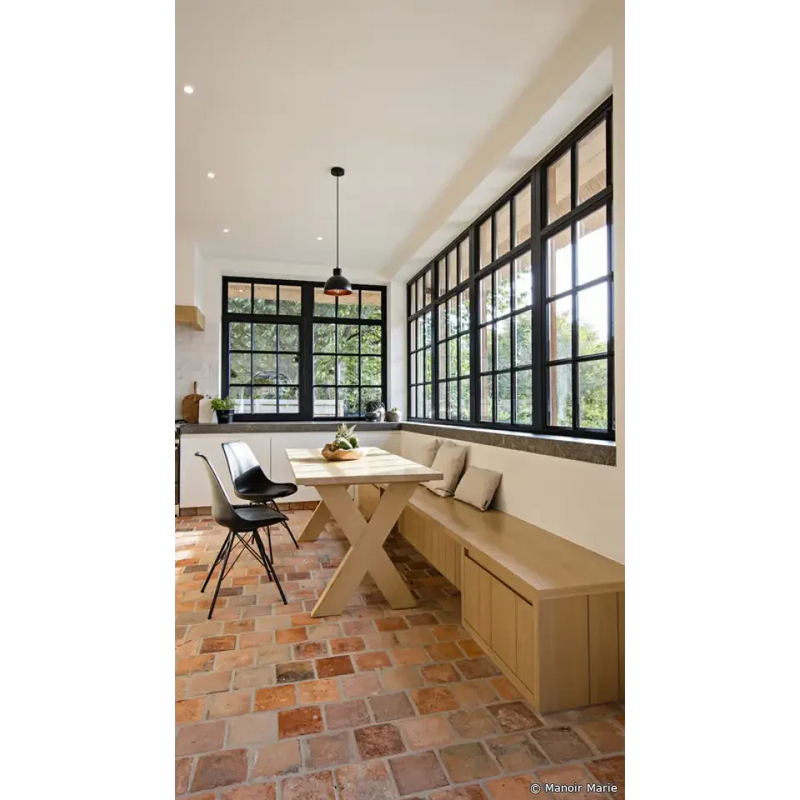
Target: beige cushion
point(423, 450)
point(450, 462)
point(477, 487)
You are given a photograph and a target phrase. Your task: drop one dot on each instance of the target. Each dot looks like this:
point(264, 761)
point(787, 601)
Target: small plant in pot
point(224, 407)
point(374, 409)
point(392, 416)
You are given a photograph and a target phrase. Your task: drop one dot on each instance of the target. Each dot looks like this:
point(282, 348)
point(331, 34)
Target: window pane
point(427, 277)
point(522, 215)
point(289, 338)
point(442, 360)
point(420, 366)
point(347, 369)
point(324, 402)
point(413, 362)
point(324, 304)
point(593, 320)
point(559, 263)
point(241, 396)
point(371, 371)
point(559, 329)
point(413, 397)
point(485, 244)
point(413, 333)
point(487, 402)
point(452, 400)
point(412, 299)
point(486, 336)
point(371, 340)
point(239, 298)
point(523, 342)
point(442, 267)
point(559, 410)
point(265, 336)
point(592, 163)
point(265, 369)
point(452, 269)
point(288, 369)
point(420, 295)
point(348, 402)
point(240, 335)
point(324, 369)
point(592, 246)
point(452, 316)
point(265, 298)
point(463, 259)
point(429, 401)
point(464, 310)
point(441, 412)
point(287, 400)
point(502, 230)
point(485, 299)
point(503, 289)
point(504, 397)
point(371, 305)
point(523, 402)
point(348, 339)
point(290, 301)
point(429, 328)
point(452, 358)
point(348, 305)
point(428, 364)
point(420, 401)
point(593, 394)
point(265, 400)
point(240, 368)
point(324, 338)
point(464, 357)
point(523, 291)
point(465, 397)
point(559, 188)
point(442, 312)
point(504, 344)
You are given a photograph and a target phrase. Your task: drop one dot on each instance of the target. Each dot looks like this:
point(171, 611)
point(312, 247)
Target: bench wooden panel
point(548, 612)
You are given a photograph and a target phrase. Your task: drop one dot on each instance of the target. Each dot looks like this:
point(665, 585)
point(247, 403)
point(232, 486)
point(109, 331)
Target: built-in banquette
point(549, 613)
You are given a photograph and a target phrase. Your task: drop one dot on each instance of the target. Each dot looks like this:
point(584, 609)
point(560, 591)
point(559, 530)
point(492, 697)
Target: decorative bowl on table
point(344, 447)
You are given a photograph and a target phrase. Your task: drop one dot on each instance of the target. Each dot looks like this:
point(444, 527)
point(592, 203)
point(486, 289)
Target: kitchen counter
point(284, 427)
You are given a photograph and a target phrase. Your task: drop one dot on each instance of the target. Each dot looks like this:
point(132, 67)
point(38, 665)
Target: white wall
point(269, 449)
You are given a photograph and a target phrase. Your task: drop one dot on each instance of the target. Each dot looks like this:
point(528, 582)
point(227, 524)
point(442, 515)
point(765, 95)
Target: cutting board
point(190, 406)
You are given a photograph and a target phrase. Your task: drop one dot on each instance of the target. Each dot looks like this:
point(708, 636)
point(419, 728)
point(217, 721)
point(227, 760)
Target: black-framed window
point(420, 345)
point(524, 302)
point(291, 352)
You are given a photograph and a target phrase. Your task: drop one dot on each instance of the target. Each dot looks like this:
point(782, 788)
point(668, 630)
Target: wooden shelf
point(191, 316)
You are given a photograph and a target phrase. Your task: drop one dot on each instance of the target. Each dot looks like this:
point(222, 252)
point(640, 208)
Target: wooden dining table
point(333, 479)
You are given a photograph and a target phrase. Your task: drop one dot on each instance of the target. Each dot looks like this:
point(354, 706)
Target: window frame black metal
point(541, 231)
point(305, 353)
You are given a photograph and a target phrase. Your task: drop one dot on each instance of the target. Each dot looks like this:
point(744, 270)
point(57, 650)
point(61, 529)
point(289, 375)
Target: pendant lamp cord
point(337, 222)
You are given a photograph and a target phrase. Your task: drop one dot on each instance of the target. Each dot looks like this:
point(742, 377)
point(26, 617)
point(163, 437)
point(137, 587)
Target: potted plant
point(374, 410)
point(393, 415)
point(224, 407)
point(344, 446)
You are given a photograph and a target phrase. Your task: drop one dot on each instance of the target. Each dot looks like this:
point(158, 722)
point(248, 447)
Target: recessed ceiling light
point(188, 89)
point(211, 175)
point(319, 238)
point(226, 230)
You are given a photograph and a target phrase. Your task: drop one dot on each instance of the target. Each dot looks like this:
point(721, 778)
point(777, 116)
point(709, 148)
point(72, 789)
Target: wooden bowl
point(341, 455)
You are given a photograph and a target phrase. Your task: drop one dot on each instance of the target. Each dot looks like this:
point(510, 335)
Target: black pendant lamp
point(337, 284)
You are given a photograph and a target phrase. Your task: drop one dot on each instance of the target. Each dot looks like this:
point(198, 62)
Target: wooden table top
point(375, 466)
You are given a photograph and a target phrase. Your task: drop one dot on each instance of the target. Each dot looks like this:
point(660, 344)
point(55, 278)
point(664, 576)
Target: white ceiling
point(401, 94)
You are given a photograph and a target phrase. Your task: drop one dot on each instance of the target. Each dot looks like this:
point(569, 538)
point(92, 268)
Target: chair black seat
point(262, 493)
point(250, 517)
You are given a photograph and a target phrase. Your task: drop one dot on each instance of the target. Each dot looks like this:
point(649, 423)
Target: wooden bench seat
point(549, 612)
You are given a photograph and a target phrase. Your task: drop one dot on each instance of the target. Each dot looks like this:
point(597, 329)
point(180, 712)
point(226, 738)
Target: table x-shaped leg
point(366, 553)
point(319, 519)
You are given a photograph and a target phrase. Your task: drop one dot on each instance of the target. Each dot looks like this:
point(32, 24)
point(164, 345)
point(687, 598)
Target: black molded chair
point(250, 482)
point(239, 520)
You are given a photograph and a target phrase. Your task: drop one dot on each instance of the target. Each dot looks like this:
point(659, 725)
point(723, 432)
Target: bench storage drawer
point(434, 542)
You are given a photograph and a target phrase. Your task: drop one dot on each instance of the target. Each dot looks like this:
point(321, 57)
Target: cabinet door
point(478, 599)
point(504, 623)
point(526, 638)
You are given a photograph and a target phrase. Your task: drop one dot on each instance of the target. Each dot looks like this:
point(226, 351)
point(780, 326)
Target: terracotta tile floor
point(272, 704)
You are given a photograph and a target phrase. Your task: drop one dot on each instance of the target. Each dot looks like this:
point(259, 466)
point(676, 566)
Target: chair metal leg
point(285, 524)
point(269, 539)
point(225, 545)
point(269, 565)
point(221, 573)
